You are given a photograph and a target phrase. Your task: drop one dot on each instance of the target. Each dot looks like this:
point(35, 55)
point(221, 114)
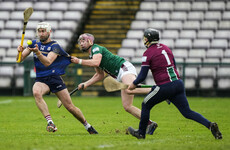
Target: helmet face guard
point(152, 36)
point(43, 25)
point(86, 37)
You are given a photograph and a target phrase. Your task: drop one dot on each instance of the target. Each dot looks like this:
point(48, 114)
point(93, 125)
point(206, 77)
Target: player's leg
point(39, 89)
point(127, 102)
point(154, 97)
point(65, 98)
point(127, 74)
point(181, 102)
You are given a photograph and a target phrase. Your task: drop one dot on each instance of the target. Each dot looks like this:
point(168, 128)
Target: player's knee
point(187, 115)
point(37, 94)
point(127, 108)
point(70, 108)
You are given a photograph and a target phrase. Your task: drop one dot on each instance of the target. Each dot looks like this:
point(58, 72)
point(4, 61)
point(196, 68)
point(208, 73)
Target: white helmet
point(44, 25)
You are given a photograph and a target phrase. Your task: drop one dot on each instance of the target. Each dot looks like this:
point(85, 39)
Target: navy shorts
point(55, 83)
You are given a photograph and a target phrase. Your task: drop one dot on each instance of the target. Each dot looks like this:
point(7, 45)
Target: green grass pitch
point(22, 127)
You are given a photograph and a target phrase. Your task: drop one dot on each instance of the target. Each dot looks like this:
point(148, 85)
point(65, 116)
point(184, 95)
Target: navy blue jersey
point(59, 64)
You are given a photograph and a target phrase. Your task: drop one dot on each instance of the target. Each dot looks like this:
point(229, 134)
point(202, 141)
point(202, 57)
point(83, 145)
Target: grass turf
point(22, 127)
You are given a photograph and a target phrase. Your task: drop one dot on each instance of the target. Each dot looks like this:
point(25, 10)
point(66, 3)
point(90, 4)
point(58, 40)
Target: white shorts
point(126, 68)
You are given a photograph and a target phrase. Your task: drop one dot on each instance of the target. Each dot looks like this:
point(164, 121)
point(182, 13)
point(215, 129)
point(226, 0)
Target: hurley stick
point(27, 13)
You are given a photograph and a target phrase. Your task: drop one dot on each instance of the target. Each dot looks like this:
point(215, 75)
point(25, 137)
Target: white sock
point(48, 118)
point(86, 125)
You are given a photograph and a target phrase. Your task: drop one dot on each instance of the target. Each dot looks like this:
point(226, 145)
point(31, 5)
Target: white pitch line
point(6, 101)
point(10, 101)
point(104, 146)
point(28, 100)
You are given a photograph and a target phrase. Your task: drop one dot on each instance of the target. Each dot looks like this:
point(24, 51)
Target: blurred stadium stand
point(64, 17)
point(197, 31)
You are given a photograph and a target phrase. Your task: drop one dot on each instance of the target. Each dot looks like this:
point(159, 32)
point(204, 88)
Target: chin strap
point(150, 43)
point(146, 44)
point(85, 50)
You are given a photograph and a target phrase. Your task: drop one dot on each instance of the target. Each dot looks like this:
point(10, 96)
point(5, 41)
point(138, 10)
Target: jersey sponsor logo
point(59, 86)
point(49, 48)
point(159, 46)
point(95, 49)
point(42, 48)
point(144, 58)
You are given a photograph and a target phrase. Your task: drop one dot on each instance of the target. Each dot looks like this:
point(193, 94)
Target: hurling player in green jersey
point(117, 67)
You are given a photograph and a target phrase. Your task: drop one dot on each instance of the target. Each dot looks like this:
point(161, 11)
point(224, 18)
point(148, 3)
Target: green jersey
point(110, 63)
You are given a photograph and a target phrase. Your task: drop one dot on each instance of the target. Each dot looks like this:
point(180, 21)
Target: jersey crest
point(95, 49)
point(59, 64)
point(144, 58)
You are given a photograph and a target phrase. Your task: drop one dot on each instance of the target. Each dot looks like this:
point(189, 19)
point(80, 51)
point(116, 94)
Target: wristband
point(80, 61)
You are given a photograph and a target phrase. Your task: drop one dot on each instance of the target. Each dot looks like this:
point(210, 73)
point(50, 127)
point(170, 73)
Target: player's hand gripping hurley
point(27, 13)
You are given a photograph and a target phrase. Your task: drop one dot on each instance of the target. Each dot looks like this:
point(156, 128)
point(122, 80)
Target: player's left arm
point(98, 76)
point(45, 60)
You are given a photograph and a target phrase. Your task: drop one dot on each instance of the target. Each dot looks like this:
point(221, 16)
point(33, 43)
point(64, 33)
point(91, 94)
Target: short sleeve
point(145, 60)
point(96, 50)
point(58, 50)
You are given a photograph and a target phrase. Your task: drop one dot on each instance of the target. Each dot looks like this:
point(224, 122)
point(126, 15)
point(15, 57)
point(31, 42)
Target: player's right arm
point(25, 52)
point(94, 62)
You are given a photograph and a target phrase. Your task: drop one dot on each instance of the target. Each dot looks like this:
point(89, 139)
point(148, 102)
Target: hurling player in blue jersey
point(159, 59)
point(50, 62)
